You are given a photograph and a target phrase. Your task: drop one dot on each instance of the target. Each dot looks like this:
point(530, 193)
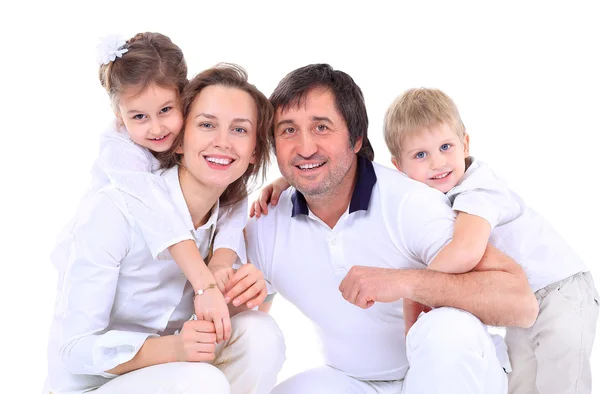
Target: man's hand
point(246, 286)
point(363, 286)
point(412, 310)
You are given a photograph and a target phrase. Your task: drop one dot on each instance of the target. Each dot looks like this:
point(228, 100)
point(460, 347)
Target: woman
point(119, 310)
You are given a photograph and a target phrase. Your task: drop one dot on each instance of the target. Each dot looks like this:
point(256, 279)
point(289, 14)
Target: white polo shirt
point(517, 229)
point(392, 222)
point(112, 293)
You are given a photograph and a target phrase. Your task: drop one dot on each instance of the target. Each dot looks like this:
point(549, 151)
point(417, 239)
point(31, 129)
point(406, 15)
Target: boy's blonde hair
point(416, 109)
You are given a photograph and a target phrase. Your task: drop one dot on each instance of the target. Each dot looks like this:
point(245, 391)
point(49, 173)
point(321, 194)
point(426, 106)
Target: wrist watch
point(210, 286)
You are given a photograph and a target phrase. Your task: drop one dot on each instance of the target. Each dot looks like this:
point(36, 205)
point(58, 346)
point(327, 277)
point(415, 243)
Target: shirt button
point(334, 241)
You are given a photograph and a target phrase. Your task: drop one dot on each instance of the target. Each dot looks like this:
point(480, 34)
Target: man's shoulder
point(393, 183)
point(282, 211)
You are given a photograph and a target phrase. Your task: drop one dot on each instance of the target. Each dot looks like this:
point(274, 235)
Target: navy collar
point(361, 196)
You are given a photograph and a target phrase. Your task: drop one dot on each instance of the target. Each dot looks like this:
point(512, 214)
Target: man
point(353, 239)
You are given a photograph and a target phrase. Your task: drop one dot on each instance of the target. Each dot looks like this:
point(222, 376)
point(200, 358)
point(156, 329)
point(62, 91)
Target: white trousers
point(247, 363)
point(449, 351)
point(553, 356)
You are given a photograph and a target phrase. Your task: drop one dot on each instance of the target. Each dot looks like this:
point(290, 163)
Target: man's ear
point(396, 163)
point(358, 144)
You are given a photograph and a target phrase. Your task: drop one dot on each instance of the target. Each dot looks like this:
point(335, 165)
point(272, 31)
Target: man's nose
point(306, 144)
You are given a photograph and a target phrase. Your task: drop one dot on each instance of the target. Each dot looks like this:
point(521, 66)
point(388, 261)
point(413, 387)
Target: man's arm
point(496, 291)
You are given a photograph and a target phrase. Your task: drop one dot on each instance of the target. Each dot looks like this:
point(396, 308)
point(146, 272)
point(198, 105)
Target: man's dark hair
point(349, 100)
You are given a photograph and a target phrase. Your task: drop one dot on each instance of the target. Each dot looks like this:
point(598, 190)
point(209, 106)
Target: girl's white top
point(517, 229)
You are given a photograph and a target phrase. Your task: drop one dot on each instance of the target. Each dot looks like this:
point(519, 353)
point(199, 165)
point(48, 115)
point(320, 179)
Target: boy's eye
point(165, 109)
point(420, 155)
point(445, 147)
point(139, 116)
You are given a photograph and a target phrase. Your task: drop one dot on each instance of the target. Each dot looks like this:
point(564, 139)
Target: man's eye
point(420, 155)
point(289, 130)
point(322, 127)
point(445, 146)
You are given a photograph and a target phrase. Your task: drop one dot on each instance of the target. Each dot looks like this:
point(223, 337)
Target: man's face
point(312, 145)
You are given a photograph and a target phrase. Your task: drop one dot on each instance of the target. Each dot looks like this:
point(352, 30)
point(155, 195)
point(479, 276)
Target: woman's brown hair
point(150, 58)
point(231, 76)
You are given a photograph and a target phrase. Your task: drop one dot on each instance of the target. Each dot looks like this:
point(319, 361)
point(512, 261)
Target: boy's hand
point(268, 195)
point(222, 273)
point(412, 310)
point(247, 286)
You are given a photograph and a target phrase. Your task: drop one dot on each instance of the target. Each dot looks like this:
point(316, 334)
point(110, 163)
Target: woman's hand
point(222, 273)
point(196, 341)
point(269, 194)
point(247, 286)
point(211, 306)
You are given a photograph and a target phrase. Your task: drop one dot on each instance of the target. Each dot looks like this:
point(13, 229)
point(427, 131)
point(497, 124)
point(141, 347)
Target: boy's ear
point(396, 163)
point(466, 146)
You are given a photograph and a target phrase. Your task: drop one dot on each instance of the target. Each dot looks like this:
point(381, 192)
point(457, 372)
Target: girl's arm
point(129, 167)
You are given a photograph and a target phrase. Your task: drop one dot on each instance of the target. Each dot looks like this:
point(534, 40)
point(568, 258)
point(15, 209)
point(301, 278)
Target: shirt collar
point(361, 196)
point(171, 177)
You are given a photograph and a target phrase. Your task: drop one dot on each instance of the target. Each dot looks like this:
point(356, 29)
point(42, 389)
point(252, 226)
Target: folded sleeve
point(230, 229)
point(128, 168)
point(483, 194)
point(101, 239)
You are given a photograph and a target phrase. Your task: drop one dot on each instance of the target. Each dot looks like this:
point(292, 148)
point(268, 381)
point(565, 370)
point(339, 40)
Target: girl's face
point(152, 118)
point(220, 136)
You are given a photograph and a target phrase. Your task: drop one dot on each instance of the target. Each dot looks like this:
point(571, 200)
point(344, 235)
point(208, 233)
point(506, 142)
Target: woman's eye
point(206, 125)
point(239, 130)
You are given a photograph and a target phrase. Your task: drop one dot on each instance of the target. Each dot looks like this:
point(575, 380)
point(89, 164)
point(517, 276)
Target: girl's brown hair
point(150, 58)
point(231, 76)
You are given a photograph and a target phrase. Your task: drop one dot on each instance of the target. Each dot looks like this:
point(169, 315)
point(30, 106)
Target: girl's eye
point(139, 117)
point(420, 155)
point(445, 146)
point(239, 130)
point(165, 109)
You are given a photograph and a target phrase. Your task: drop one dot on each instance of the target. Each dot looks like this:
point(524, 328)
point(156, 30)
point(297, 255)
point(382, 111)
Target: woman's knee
point(192, 378)
point(260, 331)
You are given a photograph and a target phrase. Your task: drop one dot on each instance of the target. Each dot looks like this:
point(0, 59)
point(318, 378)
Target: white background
point(524, 75)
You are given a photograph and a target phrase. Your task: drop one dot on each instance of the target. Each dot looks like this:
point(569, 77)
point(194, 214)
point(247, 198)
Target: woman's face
point(220, 136)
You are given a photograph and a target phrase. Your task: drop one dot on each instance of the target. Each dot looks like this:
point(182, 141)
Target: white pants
point(449, 351)
point(247, 363)
point(553, 356)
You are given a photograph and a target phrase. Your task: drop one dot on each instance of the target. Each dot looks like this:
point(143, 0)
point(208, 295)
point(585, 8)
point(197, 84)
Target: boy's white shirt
point(113, 294)
point(517, 230)
point(132, 169)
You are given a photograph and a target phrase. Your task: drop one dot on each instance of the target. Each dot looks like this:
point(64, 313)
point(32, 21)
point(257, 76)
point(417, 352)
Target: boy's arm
point(268, 195)
point(469, 240)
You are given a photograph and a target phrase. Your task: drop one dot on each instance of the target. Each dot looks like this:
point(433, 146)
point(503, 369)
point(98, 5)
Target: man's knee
point(446, 328)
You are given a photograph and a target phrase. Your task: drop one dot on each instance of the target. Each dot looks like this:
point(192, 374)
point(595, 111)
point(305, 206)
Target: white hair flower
point(110, 48)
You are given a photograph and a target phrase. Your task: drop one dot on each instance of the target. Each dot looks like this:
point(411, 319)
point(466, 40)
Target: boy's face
point(434, 156)
point(152, 117)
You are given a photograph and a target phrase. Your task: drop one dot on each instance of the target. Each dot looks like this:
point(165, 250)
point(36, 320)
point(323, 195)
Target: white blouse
point(113, 294)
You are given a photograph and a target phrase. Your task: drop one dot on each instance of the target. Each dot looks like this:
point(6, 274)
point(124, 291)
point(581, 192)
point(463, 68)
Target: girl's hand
point(247, 286)
point(211, 306)
point(269, 194)
point(196, 341)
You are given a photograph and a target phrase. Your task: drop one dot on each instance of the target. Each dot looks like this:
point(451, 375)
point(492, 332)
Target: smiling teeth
point(222, 162)
point(310, 166)
point(441, 176)
point(159, 138)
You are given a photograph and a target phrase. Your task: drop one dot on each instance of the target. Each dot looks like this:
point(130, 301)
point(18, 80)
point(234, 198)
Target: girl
point(144, 78)
point(119, 308)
